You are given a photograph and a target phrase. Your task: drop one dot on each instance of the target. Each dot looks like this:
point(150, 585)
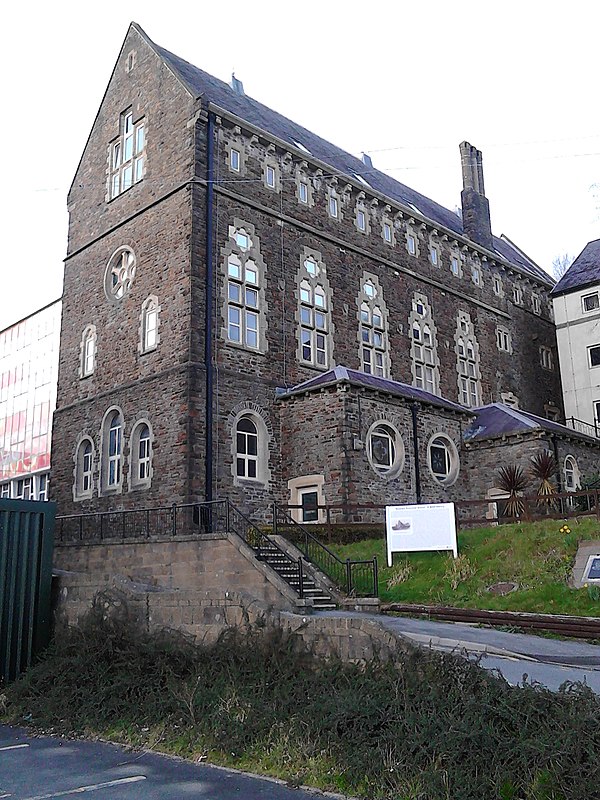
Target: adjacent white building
point(576, 302)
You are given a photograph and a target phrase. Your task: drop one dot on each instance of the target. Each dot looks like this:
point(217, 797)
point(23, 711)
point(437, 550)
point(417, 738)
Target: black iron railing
point(358, 578)
point(144, 523)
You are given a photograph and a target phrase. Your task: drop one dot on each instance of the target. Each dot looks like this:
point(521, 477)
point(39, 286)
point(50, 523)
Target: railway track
point(570, 626)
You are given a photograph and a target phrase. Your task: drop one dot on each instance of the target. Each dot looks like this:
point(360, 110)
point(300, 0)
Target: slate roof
point(496, 420)
point(213, 90)
point(584, 271)
point(363, 380)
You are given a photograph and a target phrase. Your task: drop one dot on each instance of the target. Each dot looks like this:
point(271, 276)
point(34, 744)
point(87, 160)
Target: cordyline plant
point(543, 469)
point(513, 481)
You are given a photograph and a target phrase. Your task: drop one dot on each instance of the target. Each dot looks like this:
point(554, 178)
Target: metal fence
point(26, 543)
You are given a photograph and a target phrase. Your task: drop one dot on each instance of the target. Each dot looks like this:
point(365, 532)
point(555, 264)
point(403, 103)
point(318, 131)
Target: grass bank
point(536, 556)
point(429, 727)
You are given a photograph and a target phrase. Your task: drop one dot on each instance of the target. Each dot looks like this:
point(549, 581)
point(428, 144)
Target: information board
point(411, 529)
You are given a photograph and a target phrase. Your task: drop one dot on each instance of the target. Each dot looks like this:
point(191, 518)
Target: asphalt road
point(43, 768)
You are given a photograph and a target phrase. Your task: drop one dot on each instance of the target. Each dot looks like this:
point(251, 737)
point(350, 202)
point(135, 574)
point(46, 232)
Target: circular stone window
point(442, 457)
point(385, 449)
point(120, 273)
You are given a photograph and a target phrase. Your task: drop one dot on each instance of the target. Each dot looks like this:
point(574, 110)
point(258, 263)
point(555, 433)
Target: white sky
point(404, 81)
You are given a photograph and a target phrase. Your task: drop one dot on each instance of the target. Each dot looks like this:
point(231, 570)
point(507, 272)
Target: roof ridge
point(515, 413)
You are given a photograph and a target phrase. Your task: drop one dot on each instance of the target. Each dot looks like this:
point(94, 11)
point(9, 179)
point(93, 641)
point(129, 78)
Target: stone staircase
point(288, 569)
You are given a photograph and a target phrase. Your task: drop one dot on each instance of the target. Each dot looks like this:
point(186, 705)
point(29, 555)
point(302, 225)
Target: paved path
point(550, 662)
point(33, 768)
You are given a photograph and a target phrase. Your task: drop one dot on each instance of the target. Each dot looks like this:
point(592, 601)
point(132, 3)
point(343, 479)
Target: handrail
point(342, 573)
point(581, 426)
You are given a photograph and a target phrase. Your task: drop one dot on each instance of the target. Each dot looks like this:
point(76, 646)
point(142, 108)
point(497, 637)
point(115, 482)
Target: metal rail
point(359, 578)
point(569, 626)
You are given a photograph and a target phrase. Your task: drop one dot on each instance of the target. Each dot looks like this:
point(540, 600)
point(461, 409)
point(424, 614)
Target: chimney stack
point(475, 206)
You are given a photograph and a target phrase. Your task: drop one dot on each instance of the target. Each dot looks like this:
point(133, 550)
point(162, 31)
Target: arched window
point(425, 363)
point(88, 352)
point(149, 322)
point(373, 334)
point(112, 451)
point(571, 473)
point(246, 448)
point(140, 464)
point(244, 288)
point(84, 470)
point(443, 459)
point(314, 313)
point(467, 362)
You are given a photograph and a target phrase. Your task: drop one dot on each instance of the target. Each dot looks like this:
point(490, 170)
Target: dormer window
point(127, 155)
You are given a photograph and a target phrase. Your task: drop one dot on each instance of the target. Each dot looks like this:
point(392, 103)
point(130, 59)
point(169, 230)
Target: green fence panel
point(26, 545)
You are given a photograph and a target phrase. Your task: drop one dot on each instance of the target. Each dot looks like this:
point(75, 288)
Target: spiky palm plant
point(513, 481)
point(543, 469)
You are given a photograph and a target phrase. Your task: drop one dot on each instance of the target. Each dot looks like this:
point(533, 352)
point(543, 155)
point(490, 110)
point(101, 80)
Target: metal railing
point(358, 578)
point(588, 428)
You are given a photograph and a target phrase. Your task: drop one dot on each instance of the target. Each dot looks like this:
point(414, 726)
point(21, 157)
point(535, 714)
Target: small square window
point(234, 160)
point(590, 302)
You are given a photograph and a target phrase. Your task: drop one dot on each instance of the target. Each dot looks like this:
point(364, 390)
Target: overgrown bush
point(428, 726)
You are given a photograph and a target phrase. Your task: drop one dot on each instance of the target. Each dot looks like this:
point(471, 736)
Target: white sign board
point(410, 529)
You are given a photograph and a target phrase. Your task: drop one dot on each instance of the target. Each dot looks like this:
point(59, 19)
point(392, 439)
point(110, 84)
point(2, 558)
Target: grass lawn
point(535, 555)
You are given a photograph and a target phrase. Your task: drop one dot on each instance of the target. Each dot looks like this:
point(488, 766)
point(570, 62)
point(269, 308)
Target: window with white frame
point(536, 304)
point(271, 175)
point(467, 362)
point(434, 255)
point(314, 313)
point(503, 339)
point(361, 218)
point(596, 405)
point(244, 289)
point(387, 232)
point(425, 364)
point(373, 335)
point(594, 355)
point(385, 449)
point(84, 470)
point(24, 488)
point(590, 302)
point(127, 155)
point(234, 160)
point(140, 464)
point(120, 273)
point(303, 185)
point(571, 474)
point(443, 459)
point(476, 274)
point(87, 363)
point(303, 192)
point(5, 490)
point(547, 359)
point(112, 451)
point(455, 267)
point(246, 448)
point(333, 204)
point(497, 285)
point(149, 322)
point(411, 243)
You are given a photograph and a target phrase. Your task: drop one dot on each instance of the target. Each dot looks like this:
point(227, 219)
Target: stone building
point(273, 318)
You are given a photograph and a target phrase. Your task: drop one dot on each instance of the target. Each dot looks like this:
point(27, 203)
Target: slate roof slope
point(363, 380)
point(584, 271)
point(496, 420)
point(221, 94)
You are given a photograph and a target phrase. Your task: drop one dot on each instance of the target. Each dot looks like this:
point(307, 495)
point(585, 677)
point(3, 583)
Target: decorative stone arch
point(106, 458)
point(367, 306)
point(264, 432)
point(81, 492)
point(136, 459)
point(120, 273)
point(434, 446)
point(571, 473)
point(387, 459)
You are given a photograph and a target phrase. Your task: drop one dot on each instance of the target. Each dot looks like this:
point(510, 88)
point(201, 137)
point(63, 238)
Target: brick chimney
point(475, 206)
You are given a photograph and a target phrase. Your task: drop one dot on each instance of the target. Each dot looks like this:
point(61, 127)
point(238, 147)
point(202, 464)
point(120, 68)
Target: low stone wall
point(206, 614)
